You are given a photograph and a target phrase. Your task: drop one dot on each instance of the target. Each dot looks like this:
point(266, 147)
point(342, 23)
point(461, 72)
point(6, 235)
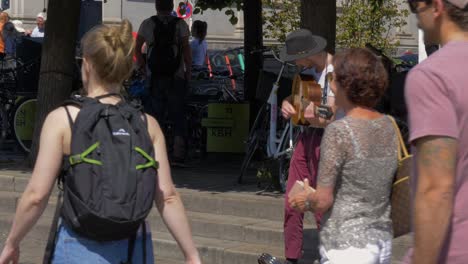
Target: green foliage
point(375, 3)
point(280, 17)
point(361, 23)
point(203, 5)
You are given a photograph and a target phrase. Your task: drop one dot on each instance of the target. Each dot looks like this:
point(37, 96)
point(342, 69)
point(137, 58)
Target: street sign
point(184, 10)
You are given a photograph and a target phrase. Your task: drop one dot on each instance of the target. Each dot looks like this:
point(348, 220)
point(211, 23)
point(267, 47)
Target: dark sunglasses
point(413, 5)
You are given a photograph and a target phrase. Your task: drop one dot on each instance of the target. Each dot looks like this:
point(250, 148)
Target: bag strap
point(70, 119)
point(50, 248)
point(402, 151)
point(107, 95)
point(131, 246)
point(130, 250)
point(144, 241)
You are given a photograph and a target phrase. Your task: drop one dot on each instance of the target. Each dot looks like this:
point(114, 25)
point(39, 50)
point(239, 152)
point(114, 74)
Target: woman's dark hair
point(458, 15)
point(200, 29)
point(361, 75)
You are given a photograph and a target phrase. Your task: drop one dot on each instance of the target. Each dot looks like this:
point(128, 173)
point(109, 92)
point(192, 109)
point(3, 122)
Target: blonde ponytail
point(110, 50)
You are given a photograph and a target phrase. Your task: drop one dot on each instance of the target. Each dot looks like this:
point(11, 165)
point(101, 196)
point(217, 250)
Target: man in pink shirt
point(437, 98)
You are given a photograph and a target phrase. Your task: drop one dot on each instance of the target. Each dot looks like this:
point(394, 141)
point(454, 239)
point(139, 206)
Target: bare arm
point(436, 164)
point(317, 121)
point(36, 195)
point(167, 199)
point(332, 157)
point(139, 56)
point(288, 110)
point(187, 53)
point(319, 201)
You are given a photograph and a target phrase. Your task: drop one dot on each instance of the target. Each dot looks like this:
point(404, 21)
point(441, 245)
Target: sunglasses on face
point(413, 5)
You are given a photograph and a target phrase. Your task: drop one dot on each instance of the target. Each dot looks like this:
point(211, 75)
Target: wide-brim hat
point(459, 3)
point(301, 44)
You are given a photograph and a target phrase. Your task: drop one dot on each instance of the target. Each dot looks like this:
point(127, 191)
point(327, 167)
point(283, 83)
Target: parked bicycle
point(273, 137)
point(17, 109)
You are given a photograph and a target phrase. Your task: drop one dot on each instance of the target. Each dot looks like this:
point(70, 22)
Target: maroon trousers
point(304, 165)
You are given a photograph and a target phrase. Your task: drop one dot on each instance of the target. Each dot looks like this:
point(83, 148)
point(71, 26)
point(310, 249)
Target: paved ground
point(217, 173)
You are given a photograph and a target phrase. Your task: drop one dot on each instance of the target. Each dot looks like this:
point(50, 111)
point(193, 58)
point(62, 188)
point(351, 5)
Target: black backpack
point(165, 53)
point(110, 176)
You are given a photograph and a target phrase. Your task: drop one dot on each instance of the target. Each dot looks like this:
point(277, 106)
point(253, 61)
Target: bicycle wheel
point(24, 118)
point(196, 140)
point(254, 139)
point(4, 125)
point(283, 172)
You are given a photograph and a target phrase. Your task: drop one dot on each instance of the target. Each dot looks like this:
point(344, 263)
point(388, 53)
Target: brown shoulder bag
point(400, 197)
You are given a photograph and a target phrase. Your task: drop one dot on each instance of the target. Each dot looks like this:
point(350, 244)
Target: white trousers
point(380, 253)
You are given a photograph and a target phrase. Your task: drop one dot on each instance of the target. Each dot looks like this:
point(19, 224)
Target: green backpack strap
point(80, 158)
point(151, 162)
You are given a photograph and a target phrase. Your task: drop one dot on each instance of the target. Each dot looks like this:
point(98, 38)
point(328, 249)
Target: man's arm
point(187, 52)
point(139, 55)
point(436, 164)
point(314, 121)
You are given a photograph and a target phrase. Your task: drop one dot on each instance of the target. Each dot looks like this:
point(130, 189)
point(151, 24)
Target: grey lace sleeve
point(332, 155)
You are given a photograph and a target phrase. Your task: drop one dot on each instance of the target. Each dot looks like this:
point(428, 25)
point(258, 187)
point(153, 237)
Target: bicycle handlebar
point(269, 51)
point(262, 50)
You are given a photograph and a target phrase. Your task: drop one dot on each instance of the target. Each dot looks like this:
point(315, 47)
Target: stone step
point(212, 250)
point(231, 203)
point(214, 215)
point(234, 228)
point(242, 204)
point(225, 227)
point(216, 250)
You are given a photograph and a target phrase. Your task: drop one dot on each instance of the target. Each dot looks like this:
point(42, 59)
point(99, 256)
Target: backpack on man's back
point(165, 53)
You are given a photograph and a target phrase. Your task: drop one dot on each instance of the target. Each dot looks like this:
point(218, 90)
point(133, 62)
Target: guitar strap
point(325, 86)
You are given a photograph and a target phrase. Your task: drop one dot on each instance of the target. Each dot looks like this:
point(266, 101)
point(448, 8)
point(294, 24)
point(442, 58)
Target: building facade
point(221, 34)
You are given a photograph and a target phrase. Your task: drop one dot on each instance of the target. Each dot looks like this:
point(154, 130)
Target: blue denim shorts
point(72, 248)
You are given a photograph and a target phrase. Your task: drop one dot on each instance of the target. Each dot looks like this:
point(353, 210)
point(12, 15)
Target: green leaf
point(360, 23)
point(196, 11)
point(234, 20)
point(229, 12)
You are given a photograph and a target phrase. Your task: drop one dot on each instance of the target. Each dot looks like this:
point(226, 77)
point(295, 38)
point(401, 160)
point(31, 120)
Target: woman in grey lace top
point(357, 164)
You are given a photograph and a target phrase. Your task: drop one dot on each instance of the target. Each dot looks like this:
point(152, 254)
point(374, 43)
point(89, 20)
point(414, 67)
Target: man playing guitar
point(308, 51)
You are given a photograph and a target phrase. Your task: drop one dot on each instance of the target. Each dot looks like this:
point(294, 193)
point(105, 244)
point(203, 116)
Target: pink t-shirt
point(437, 98)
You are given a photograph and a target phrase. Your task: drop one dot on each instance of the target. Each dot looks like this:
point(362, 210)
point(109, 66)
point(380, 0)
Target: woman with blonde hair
point(107, 62)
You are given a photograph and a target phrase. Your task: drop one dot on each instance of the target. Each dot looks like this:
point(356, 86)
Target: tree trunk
point(319, 16)
point(57, 63)
point(253, 39)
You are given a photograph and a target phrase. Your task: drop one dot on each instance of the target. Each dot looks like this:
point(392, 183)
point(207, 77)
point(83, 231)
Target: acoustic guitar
point(266, 258)
point(305, 90)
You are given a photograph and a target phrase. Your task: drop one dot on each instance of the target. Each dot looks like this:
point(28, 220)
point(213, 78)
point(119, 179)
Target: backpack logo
point(121, 132)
